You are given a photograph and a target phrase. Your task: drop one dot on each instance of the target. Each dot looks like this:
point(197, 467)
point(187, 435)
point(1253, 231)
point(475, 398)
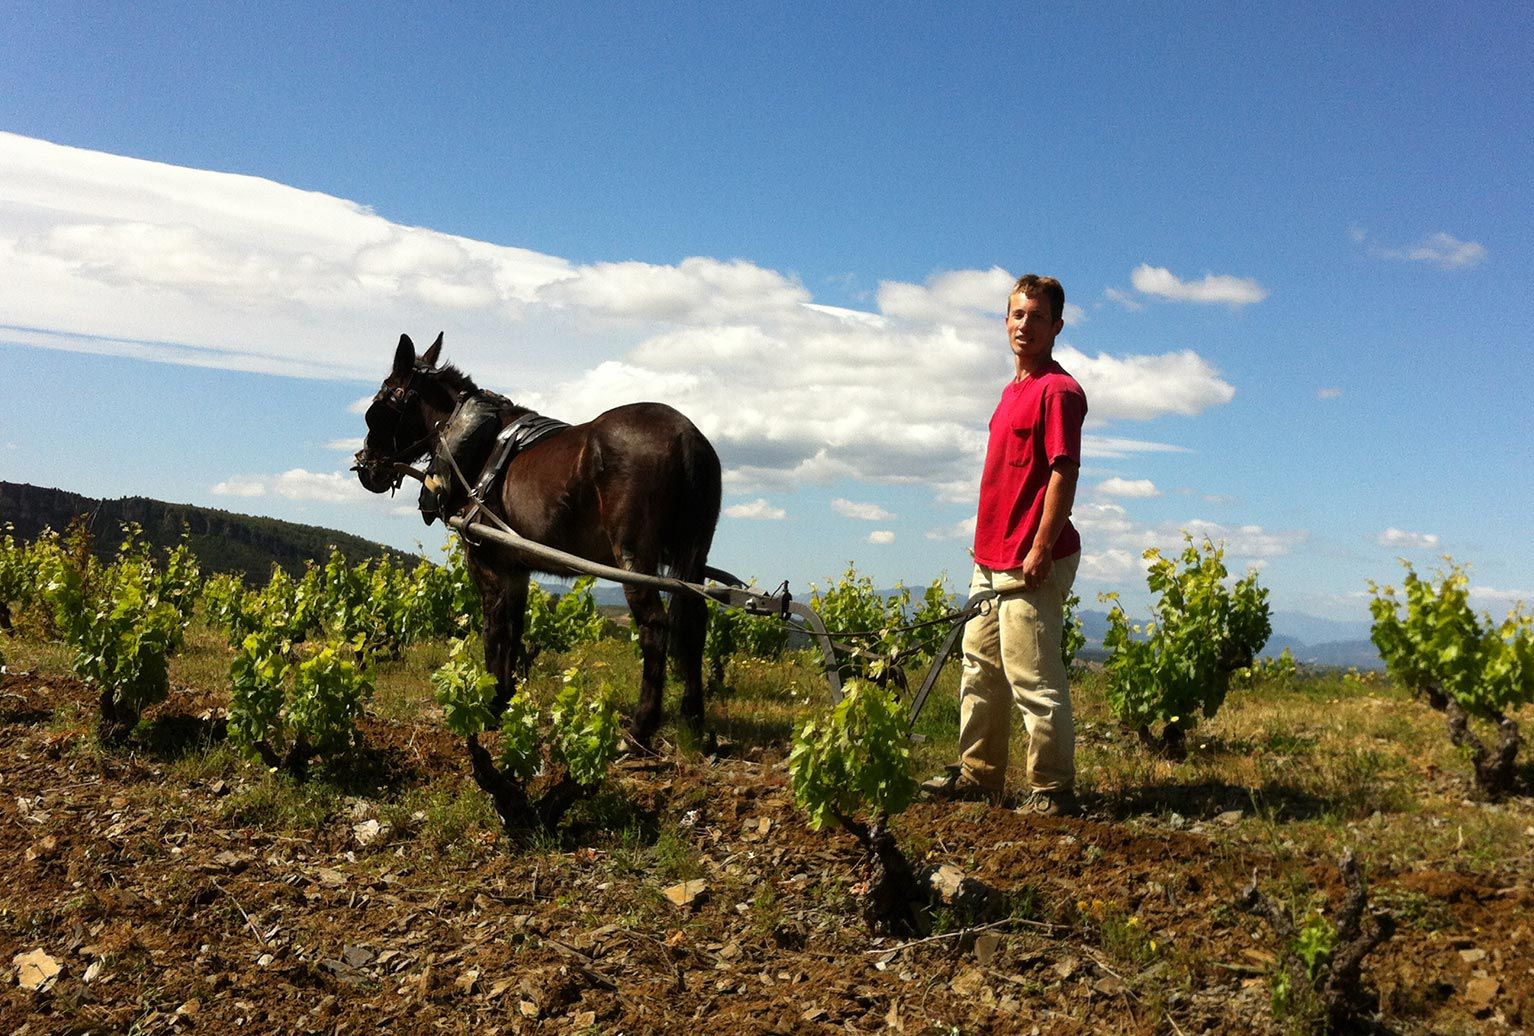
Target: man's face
point(1031, 328)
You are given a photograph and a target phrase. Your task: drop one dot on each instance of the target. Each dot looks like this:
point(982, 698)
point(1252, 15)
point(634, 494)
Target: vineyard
point(295, 806)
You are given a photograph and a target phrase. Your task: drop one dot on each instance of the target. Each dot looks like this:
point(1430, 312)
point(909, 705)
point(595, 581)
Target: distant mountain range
point(1311, 640)
point(223, 541)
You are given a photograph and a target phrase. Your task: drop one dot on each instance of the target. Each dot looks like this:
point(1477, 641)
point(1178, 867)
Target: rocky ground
point(175, 888)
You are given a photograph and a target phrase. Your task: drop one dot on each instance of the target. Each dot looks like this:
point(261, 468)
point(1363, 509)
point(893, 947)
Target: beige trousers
point(1012, 654)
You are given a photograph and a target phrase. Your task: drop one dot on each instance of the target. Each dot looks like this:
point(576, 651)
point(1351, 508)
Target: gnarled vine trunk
point(897, 902)
point(518, 811)
point(1495, 768)
point(1344, 1003)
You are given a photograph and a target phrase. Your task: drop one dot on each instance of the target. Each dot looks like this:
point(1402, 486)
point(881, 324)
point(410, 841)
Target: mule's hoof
point(640, 739)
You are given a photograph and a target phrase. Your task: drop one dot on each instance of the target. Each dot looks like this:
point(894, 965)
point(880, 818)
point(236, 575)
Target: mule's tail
point(695, 494)
point(695, 499)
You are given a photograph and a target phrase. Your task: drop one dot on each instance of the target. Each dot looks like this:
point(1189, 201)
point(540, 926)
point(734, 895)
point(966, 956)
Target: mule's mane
point(455, 379)
point(463, 385)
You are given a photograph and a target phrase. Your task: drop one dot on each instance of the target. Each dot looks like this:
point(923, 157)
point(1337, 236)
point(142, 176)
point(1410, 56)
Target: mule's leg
point(689, 631)
point(505, 605)
point(650, 620)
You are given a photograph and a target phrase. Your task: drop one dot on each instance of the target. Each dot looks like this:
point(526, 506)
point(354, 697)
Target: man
point(1026, 550)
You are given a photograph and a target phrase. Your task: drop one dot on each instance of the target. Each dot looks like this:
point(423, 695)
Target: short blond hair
point(1034, 286)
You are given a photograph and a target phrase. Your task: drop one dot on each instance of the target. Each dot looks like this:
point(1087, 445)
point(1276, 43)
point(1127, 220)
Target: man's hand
point(1059, 495)
point(1037, 566)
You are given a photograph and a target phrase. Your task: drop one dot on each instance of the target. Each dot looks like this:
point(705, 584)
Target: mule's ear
point(429, 357)
point(404, 356)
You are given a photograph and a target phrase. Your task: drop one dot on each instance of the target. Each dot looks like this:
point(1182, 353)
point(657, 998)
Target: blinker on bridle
point(396, 401)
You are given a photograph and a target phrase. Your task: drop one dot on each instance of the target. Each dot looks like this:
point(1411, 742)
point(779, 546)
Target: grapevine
point(123, 619)
point(735, 632)
point(286, 710)
point(1182, 663)
point(1073, 634)
point(572, 745)
point(558, 623)
point(901, 630)
point(1469, 667)
point(857, 764)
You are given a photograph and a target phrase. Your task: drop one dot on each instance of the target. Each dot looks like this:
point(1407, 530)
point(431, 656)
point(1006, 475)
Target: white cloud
point(881, 536)
point(696, 290)
point(1142, 387)
point(240, 486)
point(1099, 447)
point(1139, 487)
point(1251, 543)
point(1214, 288)
point(345, 445)
point(1113, 542)
point(299, 484)
point(118, 256)
point(757, 510)
point(957, 531)
point(1499, 601)
point(862, 512)
point(1440, 249)
point(1394, 537)
point(1123, 298)
point(1112, 567)
point(949, 297)
point(1328, 393)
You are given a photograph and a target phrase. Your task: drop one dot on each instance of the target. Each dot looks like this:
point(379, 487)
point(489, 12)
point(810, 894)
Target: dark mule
point(637, 487)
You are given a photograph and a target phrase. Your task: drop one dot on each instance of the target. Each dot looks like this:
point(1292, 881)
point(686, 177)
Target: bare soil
point(169, 905)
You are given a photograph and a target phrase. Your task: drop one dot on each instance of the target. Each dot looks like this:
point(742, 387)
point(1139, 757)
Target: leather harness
point(465, 443)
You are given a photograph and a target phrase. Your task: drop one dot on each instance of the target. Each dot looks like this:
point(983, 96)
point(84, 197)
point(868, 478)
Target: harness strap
point(522, 434)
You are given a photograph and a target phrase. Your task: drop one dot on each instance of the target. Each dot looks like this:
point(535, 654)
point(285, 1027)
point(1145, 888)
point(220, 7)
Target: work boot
point(954, 785)
point(1058, 803)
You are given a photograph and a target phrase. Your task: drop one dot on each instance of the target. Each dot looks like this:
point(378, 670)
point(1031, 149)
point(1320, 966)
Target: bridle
point(396, 401)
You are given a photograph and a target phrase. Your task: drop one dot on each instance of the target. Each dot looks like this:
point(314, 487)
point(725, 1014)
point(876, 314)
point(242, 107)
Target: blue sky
point(1295, 244)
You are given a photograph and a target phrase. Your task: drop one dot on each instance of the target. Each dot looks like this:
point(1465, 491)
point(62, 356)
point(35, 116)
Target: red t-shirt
point(1037, 422)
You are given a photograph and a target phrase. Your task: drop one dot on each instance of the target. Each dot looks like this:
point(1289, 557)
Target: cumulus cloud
point(1114, 542)
point(125, 257)
point(881, 537)
point(758, 510)
point(1251, 543)
point(1111, 567)
point(958, 531)
point(947, 297)
point(862, 512)
point(1142, 387)
point(296, 484)
point(1214, 288)
point(1137, 487)
point(1328, 393)
point(239, 486)
point(1498, 600)
point(1442, 250)
point(1394, 537)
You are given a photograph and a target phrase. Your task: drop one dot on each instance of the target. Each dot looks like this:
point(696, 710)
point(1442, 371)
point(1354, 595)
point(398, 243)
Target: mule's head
point(398, 419)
